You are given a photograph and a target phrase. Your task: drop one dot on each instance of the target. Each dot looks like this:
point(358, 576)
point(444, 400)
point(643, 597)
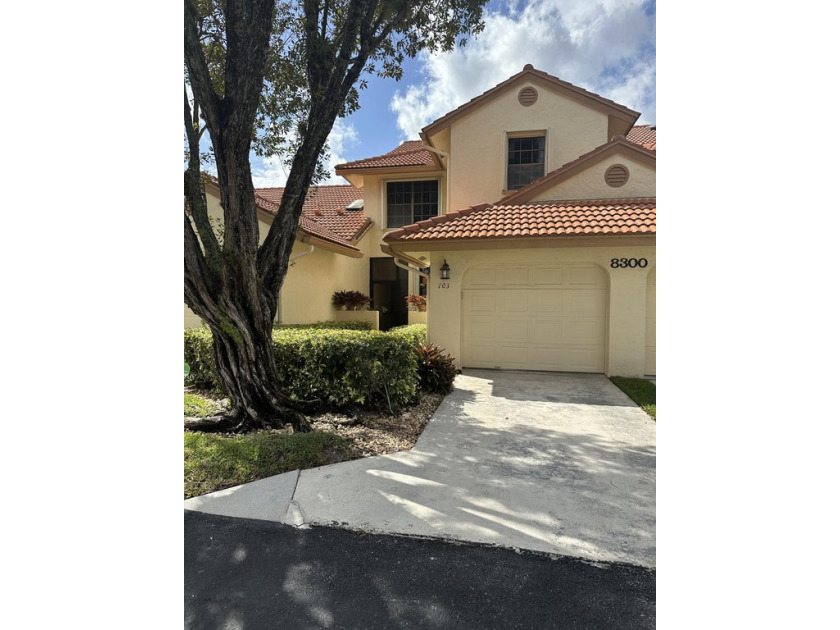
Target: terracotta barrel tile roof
point(409, 153)
point(324, 206)
point(324, 211)
point(550, 218)
point(644, 135)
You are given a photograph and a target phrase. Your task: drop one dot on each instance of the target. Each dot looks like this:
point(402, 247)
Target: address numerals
point(631, 263)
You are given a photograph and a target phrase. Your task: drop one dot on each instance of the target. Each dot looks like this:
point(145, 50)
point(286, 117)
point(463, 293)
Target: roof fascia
point(375, 170)
point(310, 239)
point(567, 240)
point(555, 85)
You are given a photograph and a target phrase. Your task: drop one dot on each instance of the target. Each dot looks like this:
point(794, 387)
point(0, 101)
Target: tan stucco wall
point(590, 184)
point(312, 279)
point(479, 140)
point(626, 319)
point(191, 320)
point(306, 296)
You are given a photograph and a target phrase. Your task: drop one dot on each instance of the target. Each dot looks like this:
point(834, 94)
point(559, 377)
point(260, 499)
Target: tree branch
point(194, 188)
point(199, 74)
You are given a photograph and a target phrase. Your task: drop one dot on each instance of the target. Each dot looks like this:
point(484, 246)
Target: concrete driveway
point(551, 462)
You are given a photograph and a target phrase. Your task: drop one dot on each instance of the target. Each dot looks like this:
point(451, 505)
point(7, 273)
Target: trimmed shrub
point(344, 368)
point(349, 325)
point(437, 371)
point(198, 352)
point(341, 368)
point(415, 334)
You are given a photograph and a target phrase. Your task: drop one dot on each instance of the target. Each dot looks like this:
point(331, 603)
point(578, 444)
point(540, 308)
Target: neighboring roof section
point(324, 206)
point(540, 220)
point(529, 73)
point(644, 135)
point(324, 215)
point(409, 153)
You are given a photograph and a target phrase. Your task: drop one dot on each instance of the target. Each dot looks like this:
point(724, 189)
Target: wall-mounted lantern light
point(444, 271)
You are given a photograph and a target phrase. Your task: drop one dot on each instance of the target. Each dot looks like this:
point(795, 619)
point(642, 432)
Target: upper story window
point(410, 202)
point(525, 160)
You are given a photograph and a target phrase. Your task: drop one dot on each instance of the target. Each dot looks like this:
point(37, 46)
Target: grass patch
point(215, 462)
point(196, 406)
point(640, 390)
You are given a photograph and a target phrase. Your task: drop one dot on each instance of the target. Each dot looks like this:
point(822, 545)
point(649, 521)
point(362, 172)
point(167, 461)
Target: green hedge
point(349, 325)
point(341, 368)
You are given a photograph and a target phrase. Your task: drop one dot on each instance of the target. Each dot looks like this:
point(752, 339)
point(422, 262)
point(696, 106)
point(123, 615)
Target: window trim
point(528, 133)
point(384, 196)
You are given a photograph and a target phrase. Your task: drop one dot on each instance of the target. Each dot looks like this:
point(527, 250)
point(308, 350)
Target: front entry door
point(388, 288)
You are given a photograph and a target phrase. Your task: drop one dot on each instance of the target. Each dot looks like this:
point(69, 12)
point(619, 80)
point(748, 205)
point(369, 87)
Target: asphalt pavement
point(248, 574)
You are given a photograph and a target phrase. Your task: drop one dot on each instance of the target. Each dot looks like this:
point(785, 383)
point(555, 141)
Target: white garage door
point(650, 326)
point(535, 317)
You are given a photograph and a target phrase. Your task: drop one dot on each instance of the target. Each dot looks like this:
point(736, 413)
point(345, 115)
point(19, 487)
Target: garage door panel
point(583, 358)
point(481, 302)
point(583, 331)
point(512, 302)
point(584, 302)
point(538, 317)
point(546, 302)
point(515, 329)
point(512, 356)
point(480, 329)
point(547, 276)
point(480, 355)
point(546, 357)
point(546, 330)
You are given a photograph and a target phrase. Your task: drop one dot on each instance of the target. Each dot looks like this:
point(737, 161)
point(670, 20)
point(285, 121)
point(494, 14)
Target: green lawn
point(640, 390)
point(214, 462)
point(196, 406)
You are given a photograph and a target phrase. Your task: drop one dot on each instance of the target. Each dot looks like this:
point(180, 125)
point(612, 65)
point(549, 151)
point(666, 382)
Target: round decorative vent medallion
point(617, 175)
point(527, 96)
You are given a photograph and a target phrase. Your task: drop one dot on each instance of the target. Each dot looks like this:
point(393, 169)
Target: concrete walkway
point(550, 462)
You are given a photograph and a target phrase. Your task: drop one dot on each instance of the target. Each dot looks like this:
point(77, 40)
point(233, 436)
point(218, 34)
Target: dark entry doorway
point(388, 288)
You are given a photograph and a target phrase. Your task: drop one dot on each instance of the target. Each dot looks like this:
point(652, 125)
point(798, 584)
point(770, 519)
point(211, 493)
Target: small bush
point(437, 371)
point(351, 300)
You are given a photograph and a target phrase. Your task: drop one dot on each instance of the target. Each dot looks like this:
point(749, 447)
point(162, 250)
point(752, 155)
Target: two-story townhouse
point(527, 216)
point(530, 213)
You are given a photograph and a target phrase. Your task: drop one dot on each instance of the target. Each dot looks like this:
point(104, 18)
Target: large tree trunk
point(245, 362)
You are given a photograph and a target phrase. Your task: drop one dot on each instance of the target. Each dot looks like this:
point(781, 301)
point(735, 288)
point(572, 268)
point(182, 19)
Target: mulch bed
point(377, 433)
point(372, 432)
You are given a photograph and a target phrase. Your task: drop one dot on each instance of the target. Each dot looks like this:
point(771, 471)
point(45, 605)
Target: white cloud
point(270, 172)
point(342, 138)
point(607, 47)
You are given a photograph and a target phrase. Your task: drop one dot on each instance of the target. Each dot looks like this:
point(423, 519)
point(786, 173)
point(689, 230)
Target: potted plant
point(416, 302)
point(350, 301)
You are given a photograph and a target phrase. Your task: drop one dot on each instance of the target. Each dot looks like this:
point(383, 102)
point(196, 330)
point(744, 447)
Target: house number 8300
point(623, 263)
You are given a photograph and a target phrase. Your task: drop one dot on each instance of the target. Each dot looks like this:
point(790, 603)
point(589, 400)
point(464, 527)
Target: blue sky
point(606, 46)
